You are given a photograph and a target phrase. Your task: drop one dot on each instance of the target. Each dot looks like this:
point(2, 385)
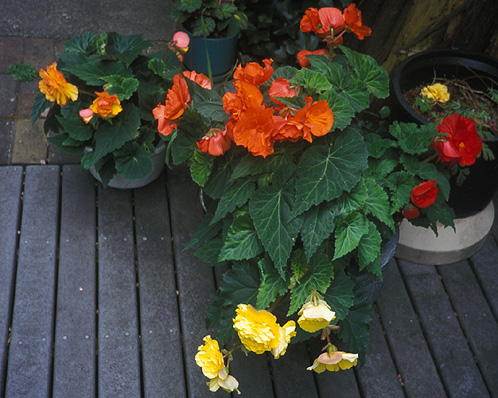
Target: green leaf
point(235, 196)
point(39, 105)
point(377, 145)
point(326, 171)
point(310, 78)
point(205, 231)
point(272, 284)
point(84, 44)
point(210, 252)
point(369, 247)
point(400, 184)
point(368, 71)
point(381, 168)
point(76, 128)
point(203, 27)
point(242, 241)
point(318, 277)
point(349, 230)
point(413, 139)
point(125, 48)
point(110, 137)
point(354, 329)
point(124, 88)
point(94, 70)
point(270, 210)
point(377, 203)
point(426, 171)
point(134, 161)
point(189, 5)
point(318, 225)
point(343, 113)
point(209, 103)
point(201, 167)
point(339, 296)
point(190, 131)
point(240, 286)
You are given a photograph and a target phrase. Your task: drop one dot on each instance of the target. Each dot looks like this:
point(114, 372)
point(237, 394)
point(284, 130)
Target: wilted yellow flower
point(258, 329)
point(333, 361)
point(315, 316)
point(436, 92)
point(286, 332)
point(106, 105)
point(55, 87)
point(210, 358)
point(225, 381)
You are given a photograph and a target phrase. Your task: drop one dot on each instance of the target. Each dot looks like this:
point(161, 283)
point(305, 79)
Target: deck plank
point(446, 340)
point(30, 354)
point(118, 348)
point(291, 379)
point(406, 340)
point(475, 317)
point(76, 333)
point(196, 283)
point(160, 325)
point(377, 378)
point(10, 213)
point(484, 265)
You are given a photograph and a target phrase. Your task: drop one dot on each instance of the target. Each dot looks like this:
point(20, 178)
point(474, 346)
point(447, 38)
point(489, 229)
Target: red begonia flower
point(424, 194)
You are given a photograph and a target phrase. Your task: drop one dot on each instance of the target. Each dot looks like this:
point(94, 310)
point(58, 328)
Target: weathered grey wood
point(253, 374)
point(290, 377)
point(476, 318)
point(30, 354)
point(446, 340)
point(341, 384)
point(162, 357)
point(195, 278)
point(75, 329)
point(406, 340)
point(378, 377)
point(10, 212)
point(484, 264)
point(118, 334)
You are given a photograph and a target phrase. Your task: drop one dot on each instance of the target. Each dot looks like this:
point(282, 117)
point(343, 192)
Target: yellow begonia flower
point(333, 361)
point(55, 87)
point(258, 330)
point(315, 317)
point(225, 381)
point(436, 92)
point(286, 332)
point(210, 358)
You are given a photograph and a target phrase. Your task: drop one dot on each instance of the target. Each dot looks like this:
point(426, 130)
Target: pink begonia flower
point(86, 114)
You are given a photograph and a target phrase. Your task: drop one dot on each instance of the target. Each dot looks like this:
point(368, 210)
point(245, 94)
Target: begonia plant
point(306, 188)
point(101, 92)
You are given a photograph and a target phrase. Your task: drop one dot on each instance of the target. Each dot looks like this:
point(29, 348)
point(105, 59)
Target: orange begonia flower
point(352, 18)
point(280, 88)
point(177, 100)
point(216, 142)
point(106, 105)
point(310, 20)
point(247, 96)
point(302, 56)
point(255, 130)
point(55, 87)
point(330, 18)
point(254, 73)
point(313, 119)
point(201, 79)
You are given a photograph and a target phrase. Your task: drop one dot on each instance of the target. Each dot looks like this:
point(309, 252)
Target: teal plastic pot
point(221, 54)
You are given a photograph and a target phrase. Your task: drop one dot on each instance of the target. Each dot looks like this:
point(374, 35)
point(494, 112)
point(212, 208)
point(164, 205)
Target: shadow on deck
point(97, 299)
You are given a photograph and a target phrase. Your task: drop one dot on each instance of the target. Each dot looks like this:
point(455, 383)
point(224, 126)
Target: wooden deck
point(98, 299)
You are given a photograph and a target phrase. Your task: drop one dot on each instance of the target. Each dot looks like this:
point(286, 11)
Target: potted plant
point(101, 92)
point(306, 190)
point(427, 87)
point(213, 27)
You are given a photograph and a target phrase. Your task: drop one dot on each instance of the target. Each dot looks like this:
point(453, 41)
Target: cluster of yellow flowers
point(436, 93)
point(259, 332)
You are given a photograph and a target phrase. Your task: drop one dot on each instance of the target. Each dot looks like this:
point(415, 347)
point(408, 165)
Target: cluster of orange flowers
point(253, 124)
point(330, 24)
